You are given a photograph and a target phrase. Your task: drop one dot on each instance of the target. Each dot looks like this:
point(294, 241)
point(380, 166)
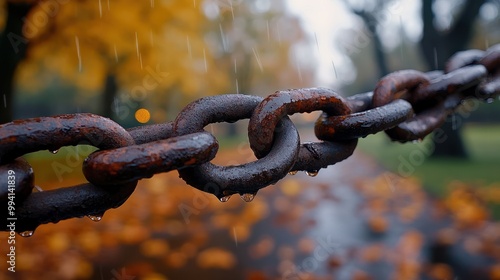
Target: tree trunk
point(437, 46)
point(13, 46)
point(378, 49)
point(109, 94)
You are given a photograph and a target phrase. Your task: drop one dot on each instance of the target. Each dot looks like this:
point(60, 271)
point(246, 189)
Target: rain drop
point(247, 197)
point(312, 173)
point(225, 198)
point(293, 172)
point(54, 151)
point(27, 233)
point(95, 218)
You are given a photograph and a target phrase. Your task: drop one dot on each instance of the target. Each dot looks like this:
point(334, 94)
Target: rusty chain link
point(407, 105)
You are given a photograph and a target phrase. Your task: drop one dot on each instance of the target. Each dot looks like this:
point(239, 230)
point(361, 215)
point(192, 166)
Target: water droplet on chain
point(225, 198)
point(293, 172)
point(312, 173)
point(54, 151)
point(95, 218)
point(27, 233)
point(247, 197)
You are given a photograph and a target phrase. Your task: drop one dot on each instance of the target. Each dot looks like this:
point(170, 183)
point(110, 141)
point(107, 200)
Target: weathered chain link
point(407, 105)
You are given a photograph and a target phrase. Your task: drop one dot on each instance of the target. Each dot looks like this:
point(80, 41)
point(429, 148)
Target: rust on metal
point(51, 133)
point(491, 59)
point(314, 156)
point(244, 178)
point(360, 102)
point(407, 104)
point(361, 124)
point(128, 164)
point(463, 58)
point(400, 81)
point(149, 133)
point(419, 126)
point(282, 103)
point(56, 205)
point(455, 81)
point(17, 181)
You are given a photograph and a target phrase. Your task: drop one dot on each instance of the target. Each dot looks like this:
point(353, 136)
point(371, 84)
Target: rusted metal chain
point(407, 105)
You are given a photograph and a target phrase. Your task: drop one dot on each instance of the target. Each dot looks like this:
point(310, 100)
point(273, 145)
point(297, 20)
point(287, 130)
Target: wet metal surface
point(18, 176)
point(313, 155)
point(245, 178)
point(361, 124)
point(128, 164)
point(55, 205)
point(51, 133)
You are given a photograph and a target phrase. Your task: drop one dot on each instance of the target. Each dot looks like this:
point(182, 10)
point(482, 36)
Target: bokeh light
point(142, 115)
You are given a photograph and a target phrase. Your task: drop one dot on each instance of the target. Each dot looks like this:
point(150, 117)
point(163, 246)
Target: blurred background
point(392, 211)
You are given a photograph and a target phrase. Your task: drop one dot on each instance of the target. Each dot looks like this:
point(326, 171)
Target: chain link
point(407, 105)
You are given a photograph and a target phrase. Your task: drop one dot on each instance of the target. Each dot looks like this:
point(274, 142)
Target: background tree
point(437, 44)
point(11, 55)
point(101, 47)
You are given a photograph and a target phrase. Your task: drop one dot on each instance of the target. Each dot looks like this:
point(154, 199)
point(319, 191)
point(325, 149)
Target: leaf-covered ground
point(352, 221)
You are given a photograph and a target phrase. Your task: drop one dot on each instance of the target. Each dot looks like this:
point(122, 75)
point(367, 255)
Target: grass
point(482, 169)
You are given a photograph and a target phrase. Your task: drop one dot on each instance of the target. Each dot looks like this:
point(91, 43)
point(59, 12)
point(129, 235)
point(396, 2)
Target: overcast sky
point(327, 21)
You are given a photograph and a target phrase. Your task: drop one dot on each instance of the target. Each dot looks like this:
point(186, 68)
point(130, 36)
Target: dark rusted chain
point(361, 124)
point(51, 133)
point(245, 179)
point(462, 59)
point(55, 205)
point(452, 82)
point(149, 133)
point(17, 181)
point(282, 103)
point(128, 164)
point(390, 86)
point(426, 121)
point(489, 89)
point(20, 137)
point(491, 59)
point(434, 74)
point(432, 95)
point(360, 102)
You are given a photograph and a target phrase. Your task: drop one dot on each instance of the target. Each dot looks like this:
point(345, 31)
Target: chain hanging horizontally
point(408, 105)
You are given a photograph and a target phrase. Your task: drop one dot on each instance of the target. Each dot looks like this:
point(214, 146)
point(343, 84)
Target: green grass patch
point(481, 169)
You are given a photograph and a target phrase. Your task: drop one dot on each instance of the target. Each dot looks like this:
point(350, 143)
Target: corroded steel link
point(128, 164)
point(360, 102)
point(491, 59)
point(426, 121)
point(56, 205)
point(312, 156)
point(419, 126)
point(17, 181)
point(434, 74)
point(361, 124)
point(462, 59)
point(452, 82)
point(247, 178)
point(51, 133)
point(154, 132)
point(407, 105)
point(397, 83)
